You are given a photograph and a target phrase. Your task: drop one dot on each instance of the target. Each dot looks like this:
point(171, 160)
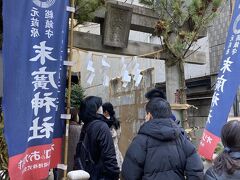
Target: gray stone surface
point(141, 113)
point(117, 25)
point(172, 82)
point(122, 100)
point(143, 18)
point(93, 42)
point(217, 33)
point(115, 101)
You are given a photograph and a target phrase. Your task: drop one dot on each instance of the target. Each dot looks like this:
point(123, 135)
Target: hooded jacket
point(212, 175)
point(101, 147)
point(99, 142)
point(161, 152)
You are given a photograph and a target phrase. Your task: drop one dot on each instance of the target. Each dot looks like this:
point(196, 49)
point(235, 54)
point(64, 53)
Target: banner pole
point(69, 91)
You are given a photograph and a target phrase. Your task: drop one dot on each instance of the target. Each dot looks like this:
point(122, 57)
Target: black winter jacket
point(101, 147)
point(161, 152)
point(212, 175)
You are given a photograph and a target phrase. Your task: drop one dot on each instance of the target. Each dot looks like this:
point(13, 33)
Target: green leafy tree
point(3, 154)
point(85, 9)
point(179, 26)
point(77, 95)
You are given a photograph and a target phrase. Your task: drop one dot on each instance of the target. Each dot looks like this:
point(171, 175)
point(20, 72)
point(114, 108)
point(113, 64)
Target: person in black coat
point(227, 165)
point(160, 151)
point(99, 142)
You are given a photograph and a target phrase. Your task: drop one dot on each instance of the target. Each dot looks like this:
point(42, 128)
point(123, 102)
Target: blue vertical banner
point(34, 48)
point(227, 84)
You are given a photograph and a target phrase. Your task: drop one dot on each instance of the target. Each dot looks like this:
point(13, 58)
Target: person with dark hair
point(109, 113)
point(155, 92)
point(114, 125)
point(160, 150)
point(99, 140)
point(227, 165)
point(158, 93)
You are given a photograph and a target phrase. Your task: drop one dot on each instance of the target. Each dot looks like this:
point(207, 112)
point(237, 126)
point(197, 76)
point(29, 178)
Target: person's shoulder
point(210, 174)
point(140, 139)
point(186, 145)
point(100, 126)
point(234, 176)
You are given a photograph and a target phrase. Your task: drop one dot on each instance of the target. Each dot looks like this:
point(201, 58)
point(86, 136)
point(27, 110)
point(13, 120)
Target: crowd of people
point(160, 151)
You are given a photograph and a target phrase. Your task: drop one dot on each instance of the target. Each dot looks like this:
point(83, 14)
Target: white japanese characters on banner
point(42, 78)
point(34, 95)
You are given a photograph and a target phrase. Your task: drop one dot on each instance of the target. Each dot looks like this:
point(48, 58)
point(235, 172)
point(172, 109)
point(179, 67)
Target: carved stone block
point(117, 25)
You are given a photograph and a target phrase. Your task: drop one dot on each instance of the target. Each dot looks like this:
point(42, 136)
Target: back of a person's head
point(109, 108)
point(230, 136)
point(159, 108)
point(155, 93)
point(89, 107)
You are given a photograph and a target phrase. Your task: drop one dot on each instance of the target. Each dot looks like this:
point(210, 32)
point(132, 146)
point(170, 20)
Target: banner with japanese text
point(226, 87)
point(34, 48)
